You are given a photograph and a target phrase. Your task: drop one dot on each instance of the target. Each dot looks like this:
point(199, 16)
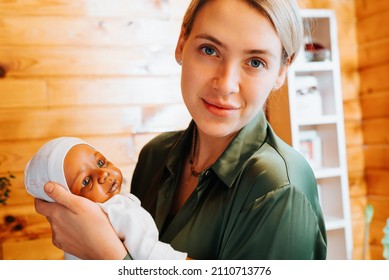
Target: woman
point(227, 187)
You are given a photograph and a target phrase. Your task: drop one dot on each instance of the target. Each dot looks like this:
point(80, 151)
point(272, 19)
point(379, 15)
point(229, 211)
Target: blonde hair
point(283, 14)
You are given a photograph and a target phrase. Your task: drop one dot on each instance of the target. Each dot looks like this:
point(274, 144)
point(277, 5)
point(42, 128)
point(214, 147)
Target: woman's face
point(89, 174)
point(231, 61)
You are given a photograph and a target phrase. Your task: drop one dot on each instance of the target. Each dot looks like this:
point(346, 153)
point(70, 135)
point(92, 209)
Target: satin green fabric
point(257, 201)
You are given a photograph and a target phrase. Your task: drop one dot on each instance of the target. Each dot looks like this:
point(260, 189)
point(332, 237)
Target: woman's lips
point(220, 110)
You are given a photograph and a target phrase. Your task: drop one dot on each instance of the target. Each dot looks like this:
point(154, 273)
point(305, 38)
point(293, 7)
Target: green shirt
point(257, 201)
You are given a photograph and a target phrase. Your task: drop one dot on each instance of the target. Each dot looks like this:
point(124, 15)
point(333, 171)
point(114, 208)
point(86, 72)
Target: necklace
point(191, 161)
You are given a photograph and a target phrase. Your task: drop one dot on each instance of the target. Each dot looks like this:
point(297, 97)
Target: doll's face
point(89, 174)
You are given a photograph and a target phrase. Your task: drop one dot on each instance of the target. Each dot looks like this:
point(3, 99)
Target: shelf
point(313, 107)
point(322, 173)
point(329, 119)
point(334, 223)
point(314, 66)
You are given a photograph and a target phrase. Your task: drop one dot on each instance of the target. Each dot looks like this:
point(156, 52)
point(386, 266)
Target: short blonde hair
point(283, 14)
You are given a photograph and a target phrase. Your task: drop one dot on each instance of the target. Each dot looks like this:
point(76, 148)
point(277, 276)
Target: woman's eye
point(86, 181)
point(208, 50)
point(100, 163)
point(255, 63)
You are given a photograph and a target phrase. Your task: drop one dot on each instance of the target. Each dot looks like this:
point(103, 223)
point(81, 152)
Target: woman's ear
point(281, 75)
point(180, 46)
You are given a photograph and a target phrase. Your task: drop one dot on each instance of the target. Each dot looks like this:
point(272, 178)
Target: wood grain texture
point(87, 8)
point(88, 68)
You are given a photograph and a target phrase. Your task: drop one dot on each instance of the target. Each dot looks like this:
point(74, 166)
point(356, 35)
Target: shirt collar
point(245, 143)
point(227, 167)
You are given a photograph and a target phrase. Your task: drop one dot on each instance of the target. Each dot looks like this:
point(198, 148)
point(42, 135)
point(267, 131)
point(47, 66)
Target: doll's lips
point(113, 187)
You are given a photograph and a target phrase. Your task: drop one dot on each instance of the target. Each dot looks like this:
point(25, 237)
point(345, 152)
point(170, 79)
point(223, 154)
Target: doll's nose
point(104, 175)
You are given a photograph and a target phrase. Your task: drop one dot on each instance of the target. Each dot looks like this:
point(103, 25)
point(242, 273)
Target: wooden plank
point(350, 84)
point(79, 122)
point(381, 209)
point(367, 8)
point(18, 194)
point(21, 222)
point(357, 184)
point(374, 79)
point(355, 159)
point(358, 229)
point(81, 31)
point(345, 9)
point(163, 118)
point(22, 94)
point(348, 56)
point(375, 105)
point(377, 232)
point(357, 204)
point(357, 208)
point(375, 131)
point(36, 249)
point(352, 110)
point(141, 139)
point(374, 53)
point(119, 91)
point(377, 180)
point(376, 252)
point(354, 133)
point(89, 8)
point(376, 156)
point(372, 29)
point(14, 155)
point(87, 61)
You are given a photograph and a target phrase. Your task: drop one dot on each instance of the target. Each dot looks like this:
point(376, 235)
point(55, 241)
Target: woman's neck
point(207, 149)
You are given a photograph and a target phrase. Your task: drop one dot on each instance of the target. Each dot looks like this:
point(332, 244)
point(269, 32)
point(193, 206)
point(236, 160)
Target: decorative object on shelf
point(308, 100)
point(316, 52)
point(385, 240)
point(310, 147)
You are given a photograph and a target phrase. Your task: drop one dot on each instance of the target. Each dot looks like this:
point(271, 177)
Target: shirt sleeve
point(279, 225)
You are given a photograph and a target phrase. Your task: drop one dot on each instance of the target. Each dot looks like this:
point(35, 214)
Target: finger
point(42, 207)
point(60, 195)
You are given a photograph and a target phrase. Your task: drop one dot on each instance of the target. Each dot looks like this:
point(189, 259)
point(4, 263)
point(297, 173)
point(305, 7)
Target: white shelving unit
point(313, 103)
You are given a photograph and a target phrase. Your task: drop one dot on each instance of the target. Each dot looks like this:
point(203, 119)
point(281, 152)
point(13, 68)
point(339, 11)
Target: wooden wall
point(101, 70)
point(373, 38)
point(105, 71)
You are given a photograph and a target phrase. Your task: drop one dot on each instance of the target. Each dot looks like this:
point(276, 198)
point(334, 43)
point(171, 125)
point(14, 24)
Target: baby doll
point(84, 171)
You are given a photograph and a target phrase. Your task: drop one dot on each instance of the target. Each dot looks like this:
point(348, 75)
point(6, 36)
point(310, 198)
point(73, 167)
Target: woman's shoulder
point(277, 166)
point(162, 141)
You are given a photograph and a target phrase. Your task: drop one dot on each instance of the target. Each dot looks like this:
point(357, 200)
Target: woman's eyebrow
point(261, 52)
point(211, 38)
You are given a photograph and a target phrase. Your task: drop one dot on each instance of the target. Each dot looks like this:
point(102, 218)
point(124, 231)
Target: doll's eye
point(86, 181)
point(100, 163)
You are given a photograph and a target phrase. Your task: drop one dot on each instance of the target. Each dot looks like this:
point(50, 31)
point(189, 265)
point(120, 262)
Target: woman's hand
point(79, 226)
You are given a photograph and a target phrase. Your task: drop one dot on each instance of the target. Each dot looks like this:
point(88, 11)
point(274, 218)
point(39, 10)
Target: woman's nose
point(227, 77)
point(103, 176)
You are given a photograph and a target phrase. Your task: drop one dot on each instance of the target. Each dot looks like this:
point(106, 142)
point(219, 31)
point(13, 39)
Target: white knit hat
point(47, 166)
